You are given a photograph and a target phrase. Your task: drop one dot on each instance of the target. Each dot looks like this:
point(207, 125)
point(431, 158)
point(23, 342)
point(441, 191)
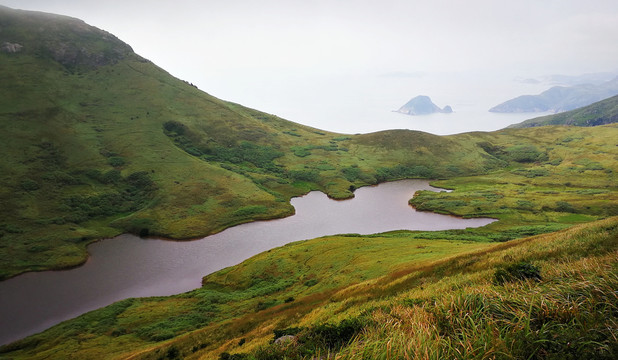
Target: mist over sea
point(362, 103)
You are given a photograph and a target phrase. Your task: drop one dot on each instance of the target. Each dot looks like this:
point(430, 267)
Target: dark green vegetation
point(517, 272)
point(98, 141)
point(603, 112)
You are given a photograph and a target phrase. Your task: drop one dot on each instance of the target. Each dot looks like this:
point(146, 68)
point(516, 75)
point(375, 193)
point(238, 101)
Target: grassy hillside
point(361, 285)
point(602, 112)
point(98, 141)
point(393, 295)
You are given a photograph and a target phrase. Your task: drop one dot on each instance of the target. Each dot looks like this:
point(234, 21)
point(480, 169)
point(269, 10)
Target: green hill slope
point(549, 296)
point(600, 113)
point(97, 141)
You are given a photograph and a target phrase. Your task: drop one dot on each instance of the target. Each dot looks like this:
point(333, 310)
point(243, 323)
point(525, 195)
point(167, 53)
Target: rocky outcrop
point(286, 339)
point(69, 41)
point(422, 105)
point(8, 47)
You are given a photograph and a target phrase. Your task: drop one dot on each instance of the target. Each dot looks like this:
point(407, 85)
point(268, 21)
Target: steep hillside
point(98, 141)
point(600, 113)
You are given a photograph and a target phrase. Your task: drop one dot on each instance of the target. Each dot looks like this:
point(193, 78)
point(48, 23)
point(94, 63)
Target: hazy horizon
point(346, 65)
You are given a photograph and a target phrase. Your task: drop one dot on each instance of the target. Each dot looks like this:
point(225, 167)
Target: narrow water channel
point(127, 266)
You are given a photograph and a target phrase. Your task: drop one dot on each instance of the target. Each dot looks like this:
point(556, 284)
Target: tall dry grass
point(572, 313)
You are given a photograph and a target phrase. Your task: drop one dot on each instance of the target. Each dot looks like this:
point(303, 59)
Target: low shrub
point(403, 172)
point(311, 282)
point(312, 342)
point(228, 356)
point(516, 272)
point(304, 175)
point(524, 154)
point(116, 161)
point(263, 305)
point(29, 185)
point(351, 173)
point(563, 206)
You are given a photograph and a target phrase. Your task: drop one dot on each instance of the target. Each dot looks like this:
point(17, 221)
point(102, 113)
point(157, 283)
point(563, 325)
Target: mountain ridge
point(560, 98)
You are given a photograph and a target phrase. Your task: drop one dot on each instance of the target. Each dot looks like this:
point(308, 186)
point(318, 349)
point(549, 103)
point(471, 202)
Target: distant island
point(422, 105)
point(560, 98)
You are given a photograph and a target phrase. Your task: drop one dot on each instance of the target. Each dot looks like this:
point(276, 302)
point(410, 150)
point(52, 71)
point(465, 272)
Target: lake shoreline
point(87, 244)
point(127, 266)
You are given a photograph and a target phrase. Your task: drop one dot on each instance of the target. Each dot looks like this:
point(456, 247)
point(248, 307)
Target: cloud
point(275, 54)
point(390, 35)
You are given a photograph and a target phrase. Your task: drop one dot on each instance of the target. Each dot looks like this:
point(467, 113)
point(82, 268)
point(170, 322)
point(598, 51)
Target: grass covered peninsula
point(98, 141)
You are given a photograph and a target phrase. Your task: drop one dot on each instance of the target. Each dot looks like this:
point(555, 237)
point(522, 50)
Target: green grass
point(454, 308)
point(411, 296)
point(98, 147)
point(568, 314)
point(76, 134)
point(73, 133)
point(252, 289)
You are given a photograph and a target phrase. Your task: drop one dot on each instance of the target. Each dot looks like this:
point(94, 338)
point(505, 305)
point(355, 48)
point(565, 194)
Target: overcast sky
point(206, 42)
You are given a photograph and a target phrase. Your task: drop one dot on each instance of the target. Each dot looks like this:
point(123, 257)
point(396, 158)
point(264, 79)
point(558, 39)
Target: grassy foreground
point(384, 296)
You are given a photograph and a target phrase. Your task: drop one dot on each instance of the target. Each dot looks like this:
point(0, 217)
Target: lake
point(128, 266)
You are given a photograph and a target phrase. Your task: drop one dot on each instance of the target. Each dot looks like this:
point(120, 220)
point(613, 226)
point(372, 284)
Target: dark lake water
point(127, 266)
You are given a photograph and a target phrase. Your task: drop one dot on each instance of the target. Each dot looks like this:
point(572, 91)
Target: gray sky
point(226, 46)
